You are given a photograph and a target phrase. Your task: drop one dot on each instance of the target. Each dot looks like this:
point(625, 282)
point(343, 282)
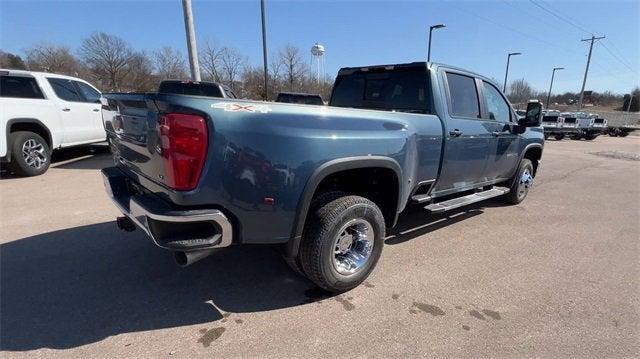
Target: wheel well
point(377, 184)
point(34, 127)
point(534, 154)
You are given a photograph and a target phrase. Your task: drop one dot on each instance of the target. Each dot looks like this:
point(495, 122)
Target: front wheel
point(521, 184)
point(342, 242)
point(30, 154)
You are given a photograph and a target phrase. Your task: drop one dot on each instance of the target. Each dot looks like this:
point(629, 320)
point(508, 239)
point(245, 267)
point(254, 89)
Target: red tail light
point(184, 141)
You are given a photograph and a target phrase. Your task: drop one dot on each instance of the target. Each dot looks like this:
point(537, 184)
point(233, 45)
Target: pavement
point(557, 276)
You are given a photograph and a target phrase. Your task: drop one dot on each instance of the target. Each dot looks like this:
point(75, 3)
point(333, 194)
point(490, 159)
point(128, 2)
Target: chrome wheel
point(352, 246)
point(34, 154)
point(526, 181)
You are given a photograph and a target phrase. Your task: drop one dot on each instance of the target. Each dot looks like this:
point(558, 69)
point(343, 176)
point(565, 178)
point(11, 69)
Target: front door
point(504, 142)
point(467, 138)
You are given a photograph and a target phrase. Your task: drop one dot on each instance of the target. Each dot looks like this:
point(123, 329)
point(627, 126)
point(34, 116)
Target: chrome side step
point(466, 200)
point(421, 198)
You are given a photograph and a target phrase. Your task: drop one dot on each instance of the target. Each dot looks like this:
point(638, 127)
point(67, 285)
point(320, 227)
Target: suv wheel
point(30, 154)
point(342, 242)
point(521, 183)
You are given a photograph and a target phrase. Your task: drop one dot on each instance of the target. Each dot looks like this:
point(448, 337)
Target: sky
point(478, 34)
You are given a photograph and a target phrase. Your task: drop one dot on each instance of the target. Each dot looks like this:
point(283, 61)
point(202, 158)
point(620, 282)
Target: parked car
point(301, 98)
point(42, 112)
point(196, 88)
point(323, 183)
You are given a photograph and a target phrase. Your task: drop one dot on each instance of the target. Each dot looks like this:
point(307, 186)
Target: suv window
point(64, 89)
point(497, 107)
point(464, 95)
point(19, 87)
point(88, 92)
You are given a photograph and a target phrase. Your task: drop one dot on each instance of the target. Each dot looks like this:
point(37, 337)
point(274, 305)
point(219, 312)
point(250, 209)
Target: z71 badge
point(241, 107)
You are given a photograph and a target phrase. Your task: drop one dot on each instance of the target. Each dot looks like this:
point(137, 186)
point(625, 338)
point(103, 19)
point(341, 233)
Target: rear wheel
point(30, 154)
point(342, 242)
point(624, 134)
point(521, 184)
point(559, 136)
point(590, 137)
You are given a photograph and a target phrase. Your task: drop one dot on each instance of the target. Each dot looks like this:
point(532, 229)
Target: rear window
point(464, 96)
point(65, 89)
point(301, 99)
point(402, 89)
point(190, 88)
point(19, 87)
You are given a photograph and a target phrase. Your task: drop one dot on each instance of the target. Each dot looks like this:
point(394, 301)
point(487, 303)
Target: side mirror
point(533, 118)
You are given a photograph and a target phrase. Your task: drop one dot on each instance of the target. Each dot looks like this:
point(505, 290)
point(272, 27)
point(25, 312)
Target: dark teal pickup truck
point(321, 182)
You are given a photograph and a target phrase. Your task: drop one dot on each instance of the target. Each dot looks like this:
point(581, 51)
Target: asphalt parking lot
point(557, 276)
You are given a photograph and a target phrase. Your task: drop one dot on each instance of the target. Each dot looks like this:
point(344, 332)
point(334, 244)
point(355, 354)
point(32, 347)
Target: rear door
point(500, 120)
point(91, 97)
point(77, 114)
point(467, 137)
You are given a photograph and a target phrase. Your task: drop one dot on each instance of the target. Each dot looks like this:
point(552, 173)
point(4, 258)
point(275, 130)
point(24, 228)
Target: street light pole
point(586, 70)
point(191, 40)
point(264, 50)
point(504, 87)
point(438, 26)
point(550, 86)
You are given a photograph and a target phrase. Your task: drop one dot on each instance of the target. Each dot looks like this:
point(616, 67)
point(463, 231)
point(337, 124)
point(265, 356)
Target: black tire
point(324, 227)
point(576, 137)
point(559, 137)
point(624, 134)
point(40, 154)
point(590, 137)
point(546, 136)
point(519, 190)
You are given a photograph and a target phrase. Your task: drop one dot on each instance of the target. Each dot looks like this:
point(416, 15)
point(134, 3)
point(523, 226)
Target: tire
point(590, 137)
point(546, 136)
point(30, 154)
point(559, 137)
point(613, 134)
point(520, 185)
point(624, 134)
point(576, 137)
point(328, 255)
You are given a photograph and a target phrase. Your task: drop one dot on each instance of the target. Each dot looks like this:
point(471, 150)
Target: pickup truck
point(323, 183)
point(41, 112)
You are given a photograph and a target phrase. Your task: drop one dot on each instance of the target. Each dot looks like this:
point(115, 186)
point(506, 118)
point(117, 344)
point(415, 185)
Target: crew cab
point(42, 112)
point(323, 183)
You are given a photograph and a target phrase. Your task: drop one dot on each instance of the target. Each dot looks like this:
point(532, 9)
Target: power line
point(618, 58)
point(561, 17)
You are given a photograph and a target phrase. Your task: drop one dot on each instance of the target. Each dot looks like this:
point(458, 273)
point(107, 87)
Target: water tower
point(317, 51)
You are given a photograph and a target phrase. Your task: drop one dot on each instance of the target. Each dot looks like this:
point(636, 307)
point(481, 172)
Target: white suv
point(40, 112)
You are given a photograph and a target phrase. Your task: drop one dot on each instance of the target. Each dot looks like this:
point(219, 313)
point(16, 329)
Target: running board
point(421, 198)
point(463, 201)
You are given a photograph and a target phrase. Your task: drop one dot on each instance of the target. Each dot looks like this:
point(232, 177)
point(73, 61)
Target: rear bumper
point(179, 230)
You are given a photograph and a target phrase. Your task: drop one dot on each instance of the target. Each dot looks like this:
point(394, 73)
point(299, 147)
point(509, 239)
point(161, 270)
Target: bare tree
point(232, 65)
point(52, 58)
point(170, 64)
point(107, 56)
point(295, 68)
point(141, 77)
point(210, 61)
point(11, 61)
point(520, 91)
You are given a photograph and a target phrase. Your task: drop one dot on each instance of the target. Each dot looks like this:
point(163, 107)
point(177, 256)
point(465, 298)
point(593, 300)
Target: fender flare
point(35, 121)
point(323, 171)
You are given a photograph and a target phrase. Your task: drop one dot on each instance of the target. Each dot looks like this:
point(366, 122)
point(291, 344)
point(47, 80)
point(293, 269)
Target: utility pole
point(191, 40)
point(550, 86)
point(438, 26)
point(586, 71)
point(264, 50)
point(504, 87)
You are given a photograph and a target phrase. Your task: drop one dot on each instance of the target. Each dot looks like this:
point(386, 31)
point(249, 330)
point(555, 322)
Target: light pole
point(550, 86)
point(264, 50)
point(438, 26)
point(191, 40)
point(504, 87)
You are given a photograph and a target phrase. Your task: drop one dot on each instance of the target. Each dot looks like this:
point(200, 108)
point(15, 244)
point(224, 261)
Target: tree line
point(113, 65)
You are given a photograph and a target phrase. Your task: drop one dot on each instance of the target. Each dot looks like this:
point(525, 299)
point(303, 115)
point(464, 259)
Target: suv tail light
point(184, 140)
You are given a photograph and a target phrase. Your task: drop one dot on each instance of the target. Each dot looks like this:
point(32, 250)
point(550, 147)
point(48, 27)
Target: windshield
point(402, 89)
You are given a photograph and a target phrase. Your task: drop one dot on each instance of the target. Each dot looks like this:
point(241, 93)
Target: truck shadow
point(89, 157)
point(78, 286)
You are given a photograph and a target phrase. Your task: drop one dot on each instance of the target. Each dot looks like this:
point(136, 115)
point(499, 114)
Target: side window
point(464, 96)
point(497, 107)
point(19, 87)
point(64, 89)
point(88, 92)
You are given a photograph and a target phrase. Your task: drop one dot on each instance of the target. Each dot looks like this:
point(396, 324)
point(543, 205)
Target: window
point(88, 92)
point(464, 96)
point(19, 87)
point(497, 107)
point(190, 88)
point(64, 89)
point(400, 89)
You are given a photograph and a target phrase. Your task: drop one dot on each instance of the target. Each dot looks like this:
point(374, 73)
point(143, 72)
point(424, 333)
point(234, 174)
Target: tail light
point(184, 140)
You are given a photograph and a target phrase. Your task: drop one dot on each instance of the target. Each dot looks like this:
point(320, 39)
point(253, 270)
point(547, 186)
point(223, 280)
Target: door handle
point(96, 109)
point(455, 133)
point(66, 109)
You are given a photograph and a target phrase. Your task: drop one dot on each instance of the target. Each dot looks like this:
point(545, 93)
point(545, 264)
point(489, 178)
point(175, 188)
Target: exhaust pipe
point(184, 259)
point(125, 224)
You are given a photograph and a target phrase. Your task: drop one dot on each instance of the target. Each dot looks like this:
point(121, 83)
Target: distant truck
point(41, 112)
point(587, 126)
point(321, 183)
point(301, 98)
